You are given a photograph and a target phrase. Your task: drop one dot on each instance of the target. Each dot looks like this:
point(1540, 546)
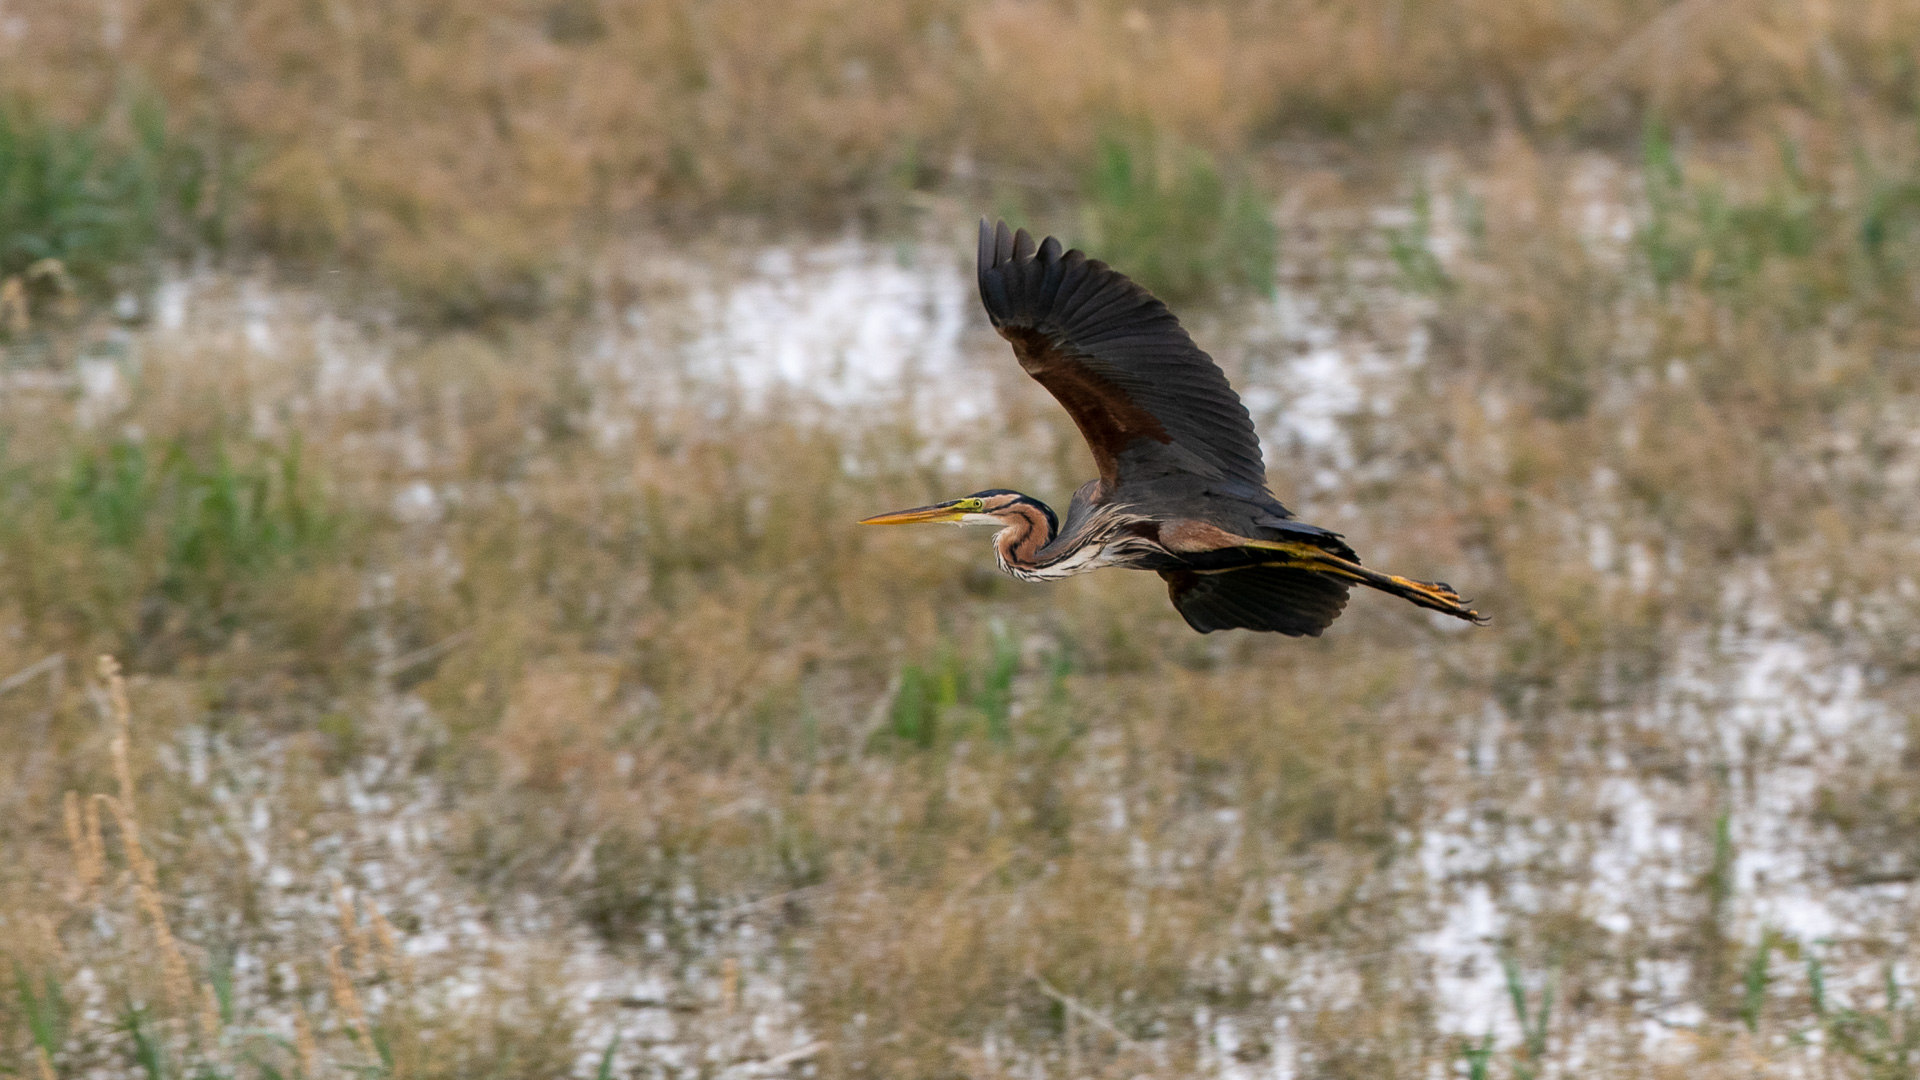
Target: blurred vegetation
point(1411, 247)
point(210, 521)
point(467, 614)
point(82, 204)
point(948, 694)
point(1696, 230)
point(459, 152)
point(1170, 218)
point(159, 543)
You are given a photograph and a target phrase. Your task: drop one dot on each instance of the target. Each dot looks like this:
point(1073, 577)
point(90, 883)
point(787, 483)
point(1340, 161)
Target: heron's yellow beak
point(946, 511)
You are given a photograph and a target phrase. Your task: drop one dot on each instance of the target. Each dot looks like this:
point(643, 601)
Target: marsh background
point(452, 415)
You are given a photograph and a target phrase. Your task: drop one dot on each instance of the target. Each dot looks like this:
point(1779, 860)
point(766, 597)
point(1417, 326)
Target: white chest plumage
point(1090, 558)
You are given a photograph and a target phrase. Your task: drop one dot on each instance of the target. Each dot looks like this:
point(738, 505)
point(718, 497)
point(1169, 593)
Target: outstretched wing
point(1147, 400)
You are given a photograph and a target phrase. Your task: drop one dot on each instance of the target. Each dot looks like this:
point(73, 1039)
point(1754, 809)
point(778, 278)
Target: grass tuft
point(1169, 216)
point(1411, 246)
point(44, 1008)
point(194, 525)
point(957, 694)
point(1533, 1017)
point(86, 204)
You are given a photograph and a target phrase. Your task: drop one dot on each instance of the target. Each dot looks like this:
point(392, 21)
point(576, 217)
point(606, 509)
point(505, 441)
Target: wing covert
point(1148, 401)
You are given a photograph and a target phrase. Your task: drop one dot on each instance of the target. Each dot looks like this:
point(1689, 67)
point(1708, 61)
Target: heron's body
point(1182, 489)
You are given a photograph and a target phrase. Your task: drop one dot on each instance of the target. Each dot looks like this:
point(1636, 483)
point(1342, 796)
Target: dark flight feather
point(1280, 599)
point(1119, 363)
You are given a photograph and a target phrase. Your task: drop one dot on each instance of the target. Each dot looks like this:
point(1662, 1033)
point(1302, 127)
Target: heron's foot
point(1436, 596)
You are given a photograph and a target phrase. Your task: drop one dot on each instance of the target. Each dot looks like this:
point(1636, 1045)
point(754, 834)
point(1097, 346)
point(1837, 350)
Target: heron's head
point(997, 506)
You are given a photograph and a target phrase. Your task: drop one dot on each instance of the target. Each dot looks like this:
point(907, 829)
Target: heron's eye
point(973, 505)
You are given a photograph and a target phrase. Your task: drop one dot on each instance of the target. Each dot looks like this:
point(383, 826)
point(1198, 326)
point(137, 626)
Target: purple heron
point(1182, 489)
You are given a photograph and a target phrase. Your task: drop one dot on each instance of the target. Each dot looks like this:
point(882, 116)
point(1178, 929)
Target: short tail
point(1432, 595)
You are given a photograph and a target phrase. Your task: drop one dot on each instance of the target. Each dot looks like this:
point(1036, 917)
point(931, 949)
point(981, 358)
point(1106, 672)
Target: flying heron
point(1182, 490)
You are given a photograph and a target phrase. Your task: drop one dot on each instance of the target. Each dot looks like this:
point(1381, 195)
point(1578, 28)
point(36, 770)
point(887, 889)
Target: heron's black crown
point(1053, 523)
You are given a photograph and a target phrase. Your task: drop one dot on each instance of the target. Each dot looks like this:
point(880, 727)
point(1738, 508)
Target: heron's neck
point(1027, 531)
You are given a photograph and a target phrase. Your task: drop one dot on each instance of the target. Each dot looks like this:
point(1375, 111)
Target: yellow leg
point(1427, 594)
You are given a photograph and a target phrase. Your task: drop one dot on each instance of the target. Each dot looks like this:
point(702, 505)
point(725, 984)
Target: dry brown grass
point(460, 149)
point(643, 665)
